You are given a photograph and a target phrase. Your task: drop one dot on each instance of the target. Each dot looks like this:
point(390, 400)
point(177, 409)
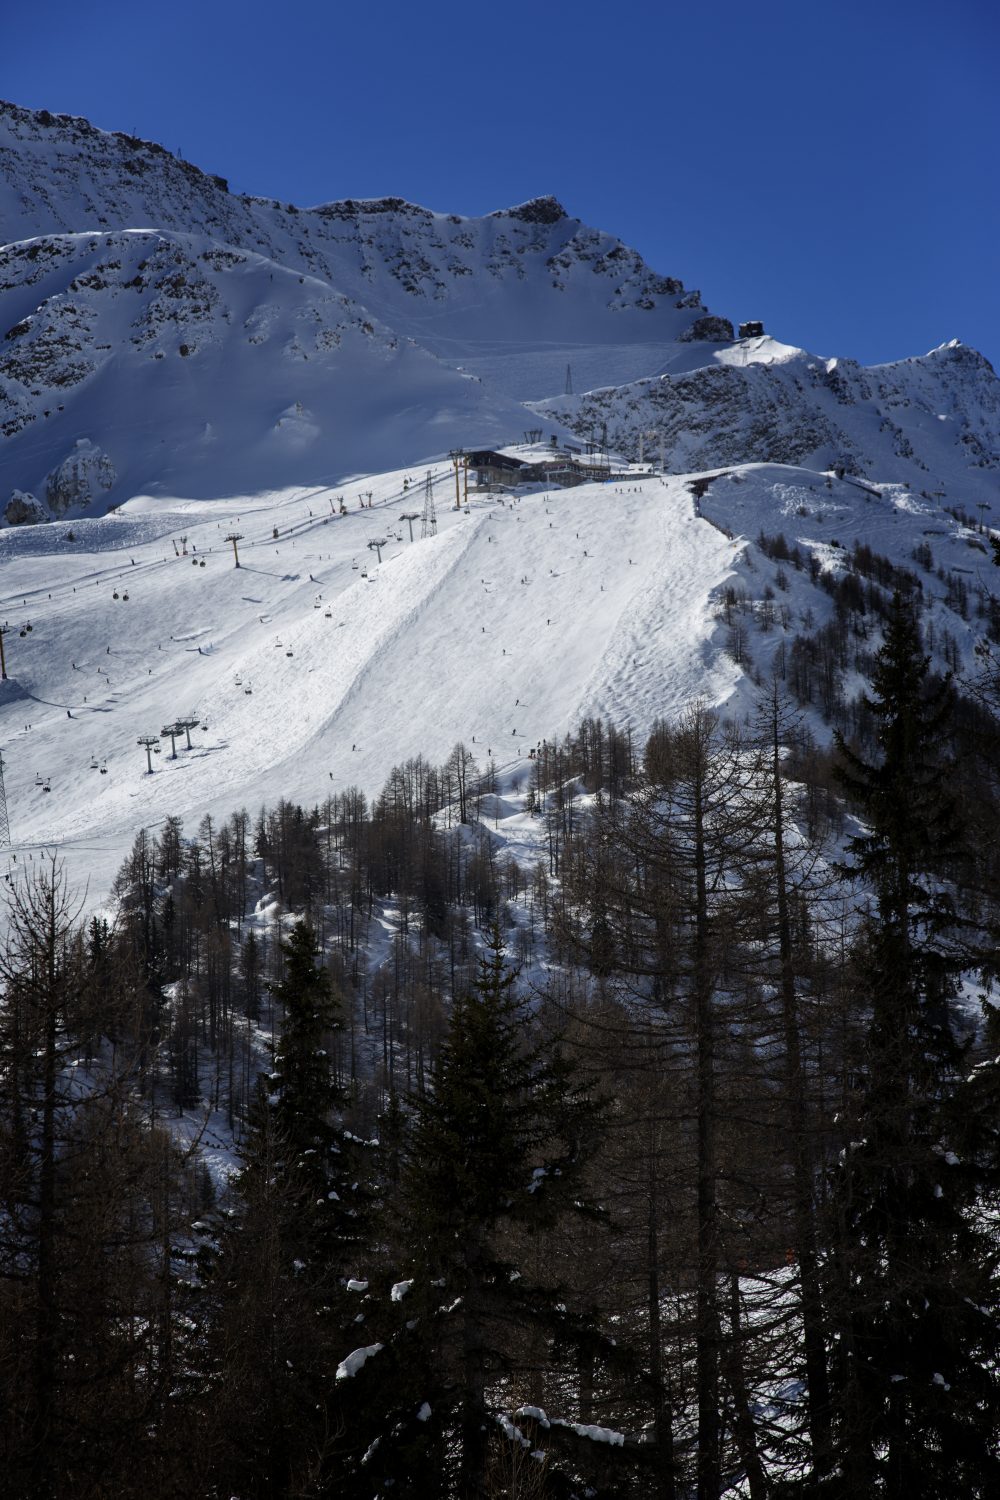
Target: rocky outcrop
point(24, 509)
point(714, 330)
point(82, 476)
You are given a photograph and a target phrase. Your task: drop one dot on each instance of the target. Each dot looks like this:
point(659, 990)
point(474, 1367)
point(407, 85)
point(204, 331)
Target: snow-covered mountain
point(200, 363)
point(510, 300)
point(165, 336)
point(179, 365)
point(933, 421)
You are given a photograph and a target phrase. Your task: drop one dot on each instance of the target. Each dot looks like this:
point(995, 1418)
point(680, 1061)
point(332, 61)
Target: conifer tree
point(913, 1270)
point(279, 1275)
point(495, 1156)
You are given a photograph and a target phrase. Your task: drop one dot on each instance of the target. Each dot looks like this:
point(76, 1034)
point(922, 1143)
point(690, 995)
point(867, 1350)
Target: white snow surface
point(351, 667)
point(312, 668)
point(357, 1360)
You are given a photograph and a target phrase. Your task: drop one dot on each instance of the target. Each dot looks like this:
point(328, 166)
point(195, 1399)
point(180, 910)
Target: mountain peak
point(545, 210)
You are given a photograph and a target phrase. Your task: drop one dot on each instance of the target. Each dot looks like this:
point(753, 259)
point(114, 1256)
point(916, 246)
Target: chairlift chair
point(124, 598)
point(115, 594)
point(93, 764)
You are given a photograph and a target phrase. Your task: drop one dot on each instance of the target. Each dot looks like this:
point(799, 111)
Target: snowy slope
point(199, 370)
point(520, 616)
point(474, 632)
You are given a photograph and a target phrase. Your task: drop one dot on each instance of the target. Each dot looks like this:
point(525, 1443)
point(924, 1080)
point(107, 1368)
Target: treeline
point(667, 1168)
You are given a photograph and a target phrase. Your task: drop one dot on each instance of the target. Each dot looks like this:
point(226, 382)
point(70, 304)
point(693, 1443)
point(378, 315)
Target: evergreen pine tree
point(913, 1269)
point(278, 1278)
point(495, 1156)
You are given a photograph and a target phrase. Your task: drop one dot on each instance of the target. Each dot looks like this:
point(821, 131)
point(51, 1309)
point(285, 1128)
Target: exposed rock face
point(24, 509)
point(714, 330)
point(79, 479)
point(918, 421)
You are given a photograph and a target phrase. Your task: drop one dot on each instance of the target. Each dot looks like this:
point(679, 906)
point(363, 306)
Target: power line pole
point(234, 537)
point(428, 521)
point(569, 380)
point(411, 516)
point(147, 741)
point(5, 839)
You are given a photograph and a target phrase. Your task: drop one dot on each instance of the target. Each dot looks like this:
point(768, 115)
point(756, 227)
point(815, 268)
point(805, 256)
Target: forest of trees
point(666, 1167)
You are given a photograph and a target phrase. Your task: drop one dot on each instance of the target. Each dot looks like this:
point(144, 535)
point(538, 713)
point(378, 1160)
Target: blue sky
point(831, 168)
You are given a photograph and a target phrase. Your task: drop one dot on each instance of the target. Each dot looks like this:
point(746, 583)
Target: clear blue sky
point(830, 166)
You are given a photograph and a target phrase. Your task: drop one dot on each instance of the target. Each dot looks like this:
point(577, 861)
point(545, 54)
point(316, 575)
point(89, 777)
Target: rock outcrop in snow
point(82, 476)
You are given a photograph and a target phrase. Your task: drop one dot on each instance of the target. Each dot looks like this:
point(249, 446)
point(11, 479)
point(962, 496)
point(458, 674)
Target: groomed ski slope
point(517, 618)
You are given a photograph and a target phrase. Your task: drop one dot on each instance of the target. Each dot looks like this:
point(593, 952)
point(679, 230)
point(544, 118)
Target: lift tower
point(148, 741)
point(172, 731)
point(187, 725)
point(457, 457)
point(428, 521)
point(4, 820)
point(411, 516)
point(234, 537)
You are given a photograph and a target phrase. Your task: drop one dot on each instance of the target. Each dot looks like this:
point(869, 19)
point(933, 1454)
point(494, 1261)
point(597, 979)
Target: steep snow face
point(137, 361)
point(513, 296)
point(933, 422)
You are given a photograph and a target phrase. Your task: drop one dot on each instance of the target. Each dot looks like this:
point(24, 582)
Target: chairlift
point(204, 728)
point(124, 598)
point(39, 779)
point(328, 615)
point(28, 625)
point(115, 594)
point(93, 764)
point(364, 572)
point(248, 689)
point(104, 769)
point(354, 564)
point(46, 788)
point(239, 680)
point(289, 653)
point(23, 633)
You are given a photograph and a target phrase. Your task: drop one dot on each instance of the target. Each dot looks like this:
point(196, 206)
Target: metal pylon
point(5, 840)
point(428, 521)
